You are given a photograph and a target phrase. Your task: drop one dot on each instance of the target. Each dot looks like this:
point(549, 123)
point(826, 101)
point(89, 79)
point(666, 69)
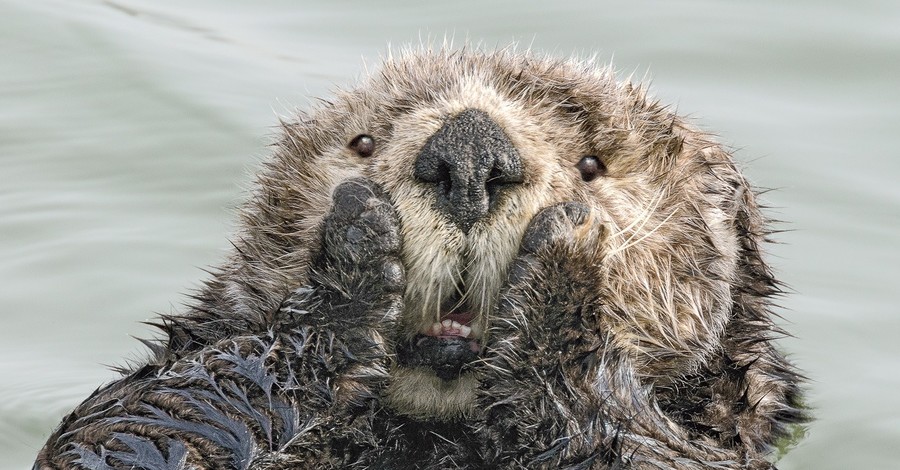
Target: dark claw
point(394, 276)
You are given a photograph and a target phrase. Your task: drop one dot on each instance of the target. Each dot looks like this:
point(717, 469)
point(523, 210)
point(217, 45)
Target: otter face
point(469, 148)
point(477, 169)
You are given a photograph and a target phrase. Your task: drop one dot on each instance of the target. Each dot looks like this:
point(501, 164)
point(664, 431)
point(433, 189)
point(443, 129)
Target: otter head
point(470, 146)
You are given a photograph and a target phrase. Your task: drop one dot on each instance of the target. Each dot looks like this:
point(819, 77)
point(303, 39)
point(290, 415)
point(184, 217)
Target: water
point(129, 130)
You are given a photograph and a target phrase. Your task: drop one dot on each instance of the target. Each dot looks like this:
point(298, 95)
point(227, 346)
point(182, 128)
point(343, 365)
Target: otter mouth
point(447, 346)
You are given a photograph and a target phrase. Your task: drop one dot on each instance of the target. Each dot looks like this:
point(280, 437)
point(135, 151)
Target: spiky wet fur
point(627, 318)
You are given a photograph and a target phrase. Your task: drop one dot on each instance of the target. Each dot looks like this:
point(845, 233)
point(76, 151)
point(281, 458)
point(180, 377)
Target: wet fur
point(627, 319)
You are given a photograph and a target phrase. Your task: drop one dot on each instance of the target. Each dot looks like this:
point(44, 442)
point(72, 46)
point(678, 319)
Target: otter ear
point(755, 277)
point(763, 388)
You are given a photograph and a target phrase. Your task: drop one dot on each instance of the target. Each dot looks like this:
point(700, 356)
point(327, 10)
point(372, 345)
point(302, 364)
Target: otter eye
point(590, 167)
point(363, 145)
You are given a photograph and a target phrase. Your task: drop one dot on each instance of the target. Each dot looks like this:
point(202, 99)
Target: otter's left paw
point(543, 341)
point(548, 310)
point(562, 242)
point(553, 225)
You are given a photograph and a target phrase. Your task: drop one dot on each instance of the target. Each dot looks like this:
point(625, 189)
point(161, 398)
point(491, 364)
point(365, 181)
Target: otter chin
point(473, 259)
point(433, 377)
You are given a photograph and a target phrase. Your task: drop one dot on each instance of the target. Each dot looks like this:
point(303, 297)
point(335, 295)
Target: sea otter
point(475, 259)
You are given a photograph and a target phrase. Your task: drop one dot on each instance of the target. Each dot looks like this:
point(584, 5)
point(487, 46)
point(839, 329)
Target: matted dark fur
point(617, 309)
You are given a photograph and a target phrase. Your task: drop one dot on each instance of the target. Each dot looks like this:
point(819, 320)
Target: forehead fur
point(614, 120)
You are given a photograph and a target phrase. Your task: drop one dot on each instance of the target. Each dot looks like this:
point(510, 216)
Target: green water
point(129, 130)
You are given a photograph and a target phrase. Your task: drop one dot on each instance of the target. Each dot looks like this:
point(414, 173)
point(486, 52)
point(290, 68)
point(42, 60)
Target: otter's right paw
point(362, 226)
point(356, 273)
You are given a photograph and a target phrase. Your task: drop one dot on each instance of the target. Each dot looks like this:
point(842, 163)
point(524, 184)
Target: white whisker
point(643, 237)
point(641, 220)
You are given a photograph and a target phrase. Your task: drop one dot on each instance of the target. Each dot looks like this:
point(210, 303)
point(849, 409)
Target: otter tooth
point(448, 327)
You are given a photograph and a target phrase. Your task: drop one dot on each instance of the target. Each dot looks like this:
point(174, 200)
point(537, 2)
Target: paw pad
point(362, 223)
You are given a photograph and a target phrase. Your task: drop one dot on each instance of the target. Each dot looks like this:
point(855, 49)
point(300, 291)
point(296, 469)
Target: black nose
point(470, 160)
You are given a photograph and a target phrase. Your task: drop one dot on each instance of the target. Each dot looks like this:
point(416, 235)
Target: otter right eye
point(363, 145)
point(590, 167)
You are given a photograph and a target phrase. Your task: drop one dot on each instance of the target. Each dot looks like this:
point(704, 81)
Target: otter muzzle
point(470, 160)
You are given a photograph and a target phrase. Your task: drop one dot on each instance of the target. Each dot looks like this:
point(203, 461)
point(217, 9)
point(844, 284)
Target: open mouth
point(447, 346)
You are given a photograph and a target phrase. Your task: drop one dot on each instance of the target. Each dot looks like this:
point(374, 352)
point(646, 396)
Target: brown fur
point(642, 337)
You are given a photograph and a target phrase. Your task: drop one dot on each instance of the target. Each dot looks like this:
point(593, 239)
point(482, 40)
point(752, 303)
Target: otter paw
point(554, 224)
point(550, 291)
point(557, 237)
point(362, 224)
point(357, 271)
point(361, 235)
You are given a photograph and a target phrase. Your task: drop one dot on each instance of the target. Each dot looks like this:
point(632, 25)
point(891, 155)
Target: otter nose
point(470, 160)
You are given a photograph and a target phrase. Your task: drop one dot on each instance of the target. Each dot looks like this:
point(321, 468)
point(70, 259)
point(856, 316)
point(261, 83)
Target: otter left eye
point(363, 145)
point(590, 167)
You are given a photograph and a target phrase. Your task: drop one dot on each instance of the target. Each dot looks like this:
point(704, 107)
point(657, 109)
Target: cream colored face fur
point(438, 256)
point(669, 201)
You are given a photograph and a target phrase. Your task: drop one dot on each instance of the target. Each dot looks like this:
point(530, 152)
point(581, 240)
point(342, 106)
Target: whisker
point(643, 237)
point(641, 220)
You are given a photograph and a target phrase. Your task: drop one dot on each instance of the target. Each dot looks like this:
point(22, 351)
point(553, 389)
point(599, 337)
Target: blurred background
point(130, 129)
